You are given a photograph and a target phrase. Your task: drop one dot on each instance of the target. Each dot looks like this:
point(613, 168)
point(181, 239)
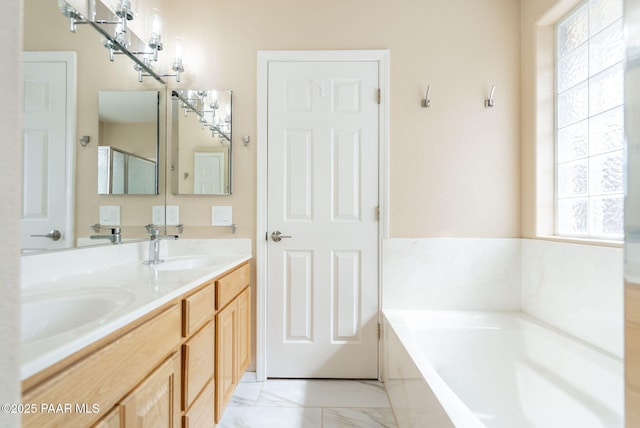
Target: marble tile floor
point(309, 404)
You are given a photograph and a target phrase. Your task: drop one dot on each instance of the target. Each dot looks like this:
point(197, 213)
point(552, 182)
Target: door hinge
point(379, 96)
point(379, 331)
point(378, 213)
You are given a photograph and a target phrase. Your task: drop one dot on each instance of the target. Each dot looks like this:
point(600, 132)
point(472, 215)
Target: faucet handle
point(152, 230)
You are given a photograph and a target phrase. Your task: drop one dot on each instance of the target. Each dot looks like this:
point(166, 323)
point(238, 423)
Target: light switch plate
point(221, 216)
point(157, 214)
point(173, 215)
point(110, 215)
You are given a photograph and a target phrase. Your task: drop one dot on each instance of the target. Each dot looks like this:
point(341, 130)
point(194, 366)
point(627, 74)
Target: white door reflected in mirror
point(49, 126)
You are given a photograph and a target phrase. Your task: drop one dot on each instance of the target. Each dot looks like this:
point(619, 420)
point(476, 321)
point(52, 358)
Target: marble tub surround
point(451, 274)
point(576, 288)
point(108, 269)
point(309, 404)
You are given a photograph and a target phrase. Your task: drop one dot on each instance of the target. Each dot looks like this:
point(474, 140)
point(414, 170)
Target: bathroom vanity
point(175, 360)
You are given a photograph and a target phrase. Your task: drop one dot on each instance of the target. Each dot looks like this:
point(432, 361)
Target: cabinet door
point(112, 420)
point(201, 414)
point(244, 332)
point(156, 402)
point(198, 363)
point(226, 378)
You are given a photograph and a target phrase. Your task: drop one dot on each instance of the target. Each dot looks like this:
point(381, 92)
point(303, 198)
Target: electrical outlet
point(221, 216)
point(110, 215)
point(173, 215)
point(157, 214)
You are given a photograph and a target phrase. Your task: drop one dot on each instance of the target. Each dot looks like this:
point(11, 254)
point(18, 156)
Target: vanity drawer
point(230, 285)
point(197, 309)
point(198, 363)
point(201, 414)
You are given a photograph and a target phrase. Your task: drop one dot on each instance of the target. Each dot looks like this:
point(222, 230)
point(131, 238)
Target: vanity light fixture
point(70, 13)
point(117, 39)
point(205, 105)
point(125, 10)
point(177, 66)
point(154, 30)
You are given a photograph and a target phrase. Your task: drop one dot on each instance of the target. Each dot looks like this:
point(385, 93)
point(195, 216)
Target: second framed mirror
point(200, 142)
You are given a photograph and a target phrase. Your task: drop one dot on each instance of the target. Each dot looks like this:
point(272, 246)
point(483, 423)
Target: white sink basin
point(189, 262)
point(49, 315)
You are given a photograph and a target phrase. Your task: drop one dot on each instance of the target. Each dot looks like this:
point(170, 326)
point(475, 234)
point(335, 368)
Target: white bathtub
point(489, 369)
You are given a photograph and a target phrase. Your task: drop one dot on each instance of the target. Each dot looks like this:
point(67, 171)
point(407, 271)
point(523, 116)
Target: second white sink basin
point(48, 315)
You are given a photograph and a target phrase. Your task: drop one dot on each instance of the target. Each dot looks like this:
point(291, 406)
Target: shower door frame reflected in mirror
point(129, 129)
point(201, 123)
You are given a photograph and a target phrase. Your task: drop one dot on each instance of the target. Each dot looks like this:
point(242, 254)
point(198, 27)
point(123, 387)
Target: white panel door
point(323, 193)
point(47, 190)
point(208, 173)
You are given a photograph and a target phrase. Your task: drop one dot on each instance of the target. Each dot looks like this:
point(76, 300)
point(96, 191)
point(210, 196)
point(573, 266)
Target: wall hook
point(489, 102)
point(84, 140)
point(426, 103)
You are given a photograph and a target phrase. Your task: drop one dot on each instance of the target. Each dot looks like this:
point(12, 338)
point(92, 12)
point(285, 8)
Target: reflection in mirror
point(46, 31)
point(201, 142)
point(128, 139)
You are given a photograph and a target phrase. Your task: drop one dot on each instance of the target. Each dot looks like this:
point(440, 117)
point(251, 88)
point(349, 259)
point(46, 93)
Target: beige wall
point(454, 167)
point(10, 175)
point(135, 138)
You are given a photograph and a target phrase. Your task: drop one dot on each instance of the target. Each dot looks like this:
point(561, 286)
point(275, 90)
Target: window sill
point(569, 240)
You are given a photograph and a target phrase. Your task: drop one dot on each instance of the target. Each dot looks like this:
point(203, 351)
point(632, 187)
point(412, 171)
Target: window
point(590, 121)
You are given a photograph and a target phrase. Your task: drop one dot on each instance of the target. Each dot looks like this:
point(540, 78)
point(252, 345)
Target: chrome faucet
point(115, 236)
point(154, 244)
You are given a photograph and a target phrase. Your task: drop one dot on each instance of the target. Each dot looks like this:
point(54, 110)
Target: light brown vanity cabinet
point(233, 334)
point(112, 420)
point(106, 372)
point(152, 404)
point(176, 366)
point(155, 403)
point(198, 358)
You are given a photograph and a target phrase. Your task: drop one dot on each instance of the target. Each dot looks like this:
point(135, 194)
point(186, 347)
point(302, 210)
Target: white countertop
point(114, 268)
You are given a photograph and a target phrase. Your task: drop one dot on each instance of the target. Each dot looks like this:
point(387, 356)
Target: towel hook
point(489, 102)
point(426, 103)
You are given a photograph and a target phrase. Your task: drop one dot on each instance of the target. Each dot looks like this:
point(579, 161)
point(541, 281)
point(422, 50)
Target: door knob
point(277, 236)
point(54, 235)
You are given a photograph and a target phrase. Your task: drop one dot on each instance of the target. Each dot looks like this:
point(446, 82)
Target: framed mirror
point(200, 142)
point(46, 30)
point(128, 142)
